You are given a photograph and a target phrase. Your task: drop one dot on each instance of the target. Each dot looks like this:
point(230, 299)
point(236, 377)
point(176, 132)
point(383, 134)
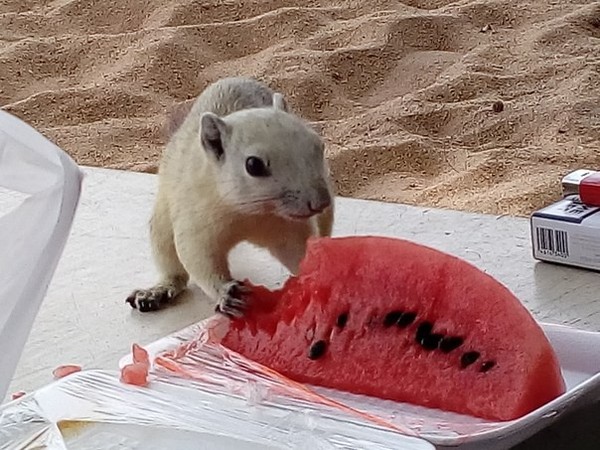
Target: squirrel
point(240, 167)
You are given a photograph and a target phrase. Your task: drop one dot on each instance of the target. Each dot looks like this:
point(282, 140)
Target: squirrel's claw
point(231, 302)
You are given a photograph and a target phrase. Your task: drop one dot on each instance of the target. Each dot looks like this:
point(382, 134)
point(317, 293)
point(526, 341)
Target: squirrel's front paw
point(152, 299)
point(231, 301)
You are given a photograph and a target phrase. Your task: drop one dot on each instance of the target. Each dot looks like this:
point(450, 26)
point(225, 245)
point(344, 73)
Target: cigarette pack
point(567, 232)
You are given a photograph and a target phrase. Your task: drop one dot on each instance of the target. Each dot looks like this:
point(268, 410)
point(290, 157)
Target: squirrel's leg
point(174, 277)
point(325, 221)
point(204, 255)
point(290, 249)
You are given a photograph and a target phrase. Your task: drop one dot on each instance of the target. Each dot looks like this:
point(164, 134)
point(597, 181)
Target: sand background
point(403, 92)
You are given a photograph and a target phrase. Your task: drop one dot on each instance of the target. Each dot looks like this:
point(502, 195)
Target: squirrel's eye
point(256, 167)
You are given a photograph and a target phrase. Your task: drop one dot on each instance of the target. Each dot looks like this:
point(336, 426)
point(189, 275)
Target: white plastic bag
point(32, 236)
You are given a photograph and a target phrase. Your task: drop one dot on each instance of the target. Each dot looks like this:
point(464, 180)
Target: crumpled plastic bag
point(32, 235)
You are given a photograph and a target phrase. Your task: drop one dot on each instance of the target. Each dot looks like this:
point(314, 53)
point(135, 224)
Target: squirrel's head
point(267, 160)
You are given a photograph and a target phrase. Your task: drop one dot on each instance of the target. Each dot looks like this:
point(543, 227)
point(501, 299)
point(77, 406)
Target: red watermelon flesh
point(397, 320)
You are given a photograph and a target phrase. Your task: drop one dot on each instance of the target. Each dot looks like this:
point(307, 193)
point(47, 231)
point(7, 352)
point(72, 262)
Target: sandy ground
point(403, 92)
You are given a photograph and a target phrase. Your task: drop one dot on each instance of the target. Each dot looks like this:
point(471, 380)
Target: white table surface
point(84, 319)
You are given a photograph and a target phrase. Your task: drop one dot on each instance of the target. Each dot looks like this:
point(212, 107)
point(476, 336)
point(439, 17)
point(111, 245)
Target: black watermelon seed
point(468, 358)
point(431, 341)
point(487, 365)
point(424, 330)
point(450, 343)
point(342, 319)
point(317, 350)
point(406, 319)
point(391, 318)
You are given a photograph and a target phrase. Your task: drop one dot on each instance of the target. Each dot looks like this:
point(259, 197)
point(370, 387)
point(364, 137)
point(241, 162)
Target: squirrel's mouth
point(296, 213)
point(303, 216)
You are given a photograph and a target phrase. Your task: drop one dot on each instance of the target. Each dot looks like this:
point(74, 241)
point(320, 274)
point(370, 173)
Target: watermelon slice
point(397, 320)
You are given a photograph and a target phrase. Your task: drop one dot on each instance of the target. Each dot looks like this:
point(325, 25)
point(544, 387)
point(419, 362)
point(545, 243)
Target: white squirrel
point(241, 167)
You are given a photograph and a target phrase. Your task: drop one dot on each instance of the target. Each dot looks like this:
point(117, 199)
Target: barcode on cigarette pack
point(552, 242)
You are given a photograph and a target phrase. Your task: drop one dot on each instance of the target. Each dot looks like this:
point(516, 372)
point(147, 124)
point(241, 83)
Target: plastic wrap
point(92, 409)
point(195, 355)
point(39, 187)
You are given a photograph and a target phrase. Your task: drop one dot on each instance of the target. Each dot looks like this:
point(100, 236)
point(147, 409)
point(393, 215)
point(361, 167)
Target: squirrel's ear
point(213, 131)
point(279, 102)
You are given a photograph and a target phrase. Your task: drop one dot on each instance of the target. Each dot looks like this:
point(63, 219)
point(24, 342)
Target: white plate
point(579, 356)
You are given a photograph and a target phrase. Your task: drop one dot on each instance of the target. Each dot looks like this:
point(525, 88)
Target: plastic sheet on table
point(93, 409)
point(196, 357)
